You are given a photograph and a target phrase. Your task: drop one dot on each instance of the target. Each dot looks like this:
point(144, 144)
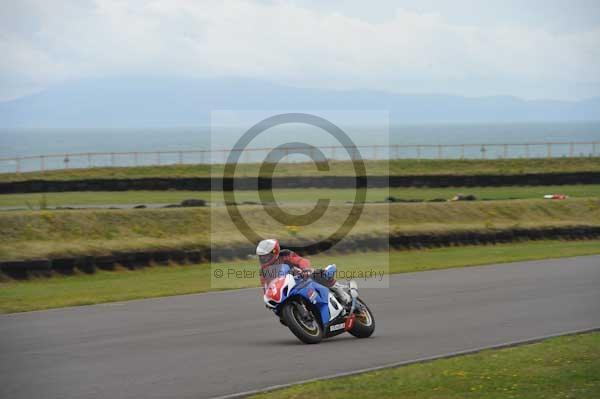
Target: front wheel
point(302, 322)
point(364, 323)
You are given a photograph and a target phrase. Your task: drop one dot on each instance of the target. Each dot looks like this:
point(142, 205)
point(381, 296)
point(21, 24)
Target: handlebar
point(296, 271)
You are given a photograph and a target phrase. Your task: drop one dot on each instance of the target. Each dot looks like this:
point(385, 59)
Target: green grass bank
point(401, 167)
point(38, 234)
point(96, 198)
point(562, 367)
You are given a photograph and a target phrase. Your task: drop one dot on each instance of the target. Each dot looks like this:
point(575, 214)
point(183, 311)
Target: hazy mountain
point(159, 102)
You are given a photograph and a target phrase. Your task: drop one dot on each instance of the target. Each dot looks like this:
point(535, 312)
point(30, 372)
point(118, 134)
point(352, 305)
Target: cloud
point(46, 42)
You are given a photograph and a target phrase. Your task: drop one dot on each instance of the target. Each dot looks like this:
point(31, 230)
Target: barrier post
point(571, 149)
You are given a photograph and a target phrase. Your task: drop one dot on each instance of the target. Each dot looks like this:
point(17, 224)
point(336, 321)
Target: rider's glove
point(329, 271)
point(306, 273)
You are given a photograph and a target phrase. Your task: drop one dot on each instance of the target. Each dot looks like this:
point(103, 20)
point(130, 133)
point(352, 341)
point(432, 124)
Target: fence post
point(571, 149)
point(42, 163)
point(483, 150)
point(66, 161)
point(549, 150)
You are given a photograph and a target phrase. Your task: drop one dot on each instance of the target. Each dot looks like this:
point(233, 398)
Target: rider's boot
point(341, 293)
point(339, 290)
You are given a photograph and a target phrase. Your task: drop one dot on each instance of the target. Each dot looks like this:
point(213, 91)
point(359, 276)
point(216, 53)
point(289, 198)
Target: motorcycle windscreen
point(272, 272)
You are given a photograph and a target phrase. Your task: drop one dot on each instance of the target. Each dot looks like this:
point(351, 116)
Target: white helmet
point(267, 251)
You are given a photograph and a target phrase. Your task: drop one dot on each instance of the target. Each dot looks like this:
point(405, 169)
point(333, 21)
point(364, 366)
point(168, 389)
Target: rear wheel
point(302, 322)
point(364, 323)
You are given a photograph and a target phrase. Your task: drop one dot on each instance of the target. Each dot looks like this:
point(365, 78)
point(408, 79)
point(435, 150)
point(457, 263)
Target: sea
point(438, 140)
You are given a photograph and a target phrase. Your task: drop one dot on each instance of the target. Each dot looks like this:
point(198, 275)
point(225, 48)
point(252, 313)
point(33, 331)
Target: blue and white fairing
point(281, 284)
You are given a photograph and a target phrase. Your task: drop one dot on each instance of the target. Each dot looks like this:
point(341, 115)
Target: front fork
point(304, 313)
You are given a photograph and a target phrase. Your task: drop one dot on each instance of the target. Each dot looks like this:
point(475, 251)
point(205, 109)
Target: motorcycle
point(310, 310)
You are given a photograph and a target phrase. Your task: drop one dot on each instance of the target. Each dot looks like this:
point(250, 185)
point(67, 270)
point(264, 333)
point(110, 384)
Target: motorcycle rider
point(270, 253)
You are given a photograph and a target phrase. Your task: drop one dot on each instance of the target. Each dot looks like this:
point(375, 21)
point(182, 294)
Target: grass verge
point(562, 367)
point(93, 198)
point(27, 235)
point(339, 168)
point(110, 286)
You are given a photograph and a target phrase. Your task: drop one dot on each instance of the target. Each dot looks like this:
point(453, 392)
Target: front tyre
point(364, 323)
point(302, 322)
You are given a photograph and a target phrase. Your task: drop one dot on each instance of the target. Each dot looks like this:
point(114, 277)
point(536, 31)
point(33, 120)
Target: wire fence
point(291, 154)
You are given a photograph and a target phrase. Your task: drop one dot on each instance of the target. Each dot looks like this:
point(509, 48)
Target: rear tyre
point(364, 323)
point(307, 327)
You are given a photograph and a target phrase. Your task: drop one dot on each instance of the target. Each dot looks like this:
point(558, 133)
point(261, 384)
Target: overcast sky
point(526, 48)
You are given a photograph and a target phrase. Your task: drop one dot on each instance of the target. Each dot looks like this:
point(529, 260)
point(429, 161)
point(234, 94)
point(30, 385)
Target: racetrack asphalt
point(206, 345)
